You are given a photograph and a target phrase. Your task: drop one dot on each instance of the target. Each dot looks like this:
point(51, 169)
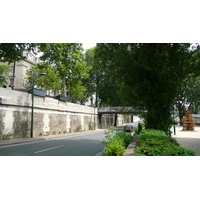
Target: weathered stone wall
point(57, 123)
point(50, 116)
point(2, 114)
point(75, 123)
point(21, 125)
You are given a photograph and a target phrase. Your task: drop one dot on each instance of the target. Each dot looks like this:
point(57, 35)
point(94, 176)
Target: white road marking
point(46, 140)
point(49, 149)
point(72, 136)
point(98, 154)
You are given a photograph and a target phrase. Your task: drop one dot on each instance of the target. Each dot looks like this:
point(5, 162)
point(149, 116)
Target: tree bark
point(64, 85)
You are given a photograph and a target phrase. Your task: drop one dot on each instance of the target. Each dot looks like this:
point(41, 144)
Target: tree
point(51, 81)
point(100, 80)
point(89, 82)
point(188, 121)
point(188, 95)
point(68, 62)
point(10, 52)
point(4, 72)
point(149, 75)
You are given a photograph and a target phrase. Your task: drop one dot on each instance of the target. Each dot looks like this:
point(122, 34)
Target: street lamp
point(33, 84)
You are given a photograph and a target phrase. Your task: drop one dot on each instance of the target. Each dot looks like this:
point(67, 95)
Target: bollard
point(139, 128)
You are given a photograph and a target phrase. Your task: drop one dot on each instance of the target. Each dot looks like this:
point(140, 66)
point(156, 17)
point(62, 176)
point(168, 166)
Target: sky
point(88, 45)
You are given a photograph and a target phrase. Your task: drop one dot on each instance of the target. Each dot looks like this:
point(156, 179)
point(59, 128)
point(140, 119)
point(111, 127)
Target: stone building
point(17, 77)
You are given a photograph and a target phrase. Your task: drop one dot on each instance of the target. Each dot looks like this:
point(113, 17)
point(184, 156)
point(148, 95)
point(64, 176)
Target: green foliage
point(90, 81)
point(188, 94)
point(152, 131)
point(10, 52)
point(149, 75)
point(4, 72)
point(100, 80)
point(67, 58)
point(136, 130)
point(77, 91)
point(51, 81)
point(143, 125)
point(114, 148)
point(116, 143)
point(156, 143)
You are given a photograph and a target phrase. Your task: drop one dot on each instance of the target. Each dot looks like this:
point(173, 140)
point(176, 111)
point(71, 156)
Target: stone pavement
point(188, 139)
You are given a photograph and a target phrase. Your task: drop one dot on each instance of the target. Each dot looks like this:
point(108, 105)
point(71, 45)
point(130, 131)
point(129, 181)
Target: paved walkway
point(188, 139)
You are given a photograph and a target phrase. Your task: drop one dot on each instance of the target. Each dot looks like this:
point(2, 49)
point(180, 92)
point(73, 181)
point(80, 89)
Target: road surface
point(83, 144)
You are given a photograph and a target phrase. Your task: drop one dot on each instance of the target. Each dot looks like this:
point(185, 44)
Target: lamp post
point(32, 108)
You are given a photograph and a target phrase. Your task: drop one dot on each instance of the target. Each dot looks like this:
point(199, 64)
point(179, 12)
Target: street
point(83, 144)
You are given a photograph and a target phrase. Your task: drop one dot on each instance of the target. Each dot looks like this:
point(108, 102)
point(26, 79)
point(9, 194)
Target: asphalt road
point(87, 144)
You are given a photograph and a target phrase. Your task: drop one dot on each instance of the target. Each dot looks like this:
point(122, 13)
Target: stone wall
point(50, 115)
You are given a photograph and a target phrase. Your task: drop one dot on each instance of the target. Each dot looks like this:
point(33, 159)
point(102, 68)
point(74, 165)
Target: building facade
point(17, 77)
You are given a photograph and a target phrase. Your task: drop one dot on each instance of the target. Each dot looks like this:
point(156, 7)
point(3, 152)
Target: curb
point(131, 149)
point(42, 138)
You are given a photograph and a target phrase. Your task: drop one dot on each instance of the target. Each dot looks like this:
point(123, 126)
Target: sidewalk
point(188, 139)
point(41, 138)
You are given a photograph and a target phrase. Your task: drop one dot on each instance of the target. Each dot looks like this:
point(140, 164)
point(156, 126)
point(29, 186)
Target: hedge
point(156, 143)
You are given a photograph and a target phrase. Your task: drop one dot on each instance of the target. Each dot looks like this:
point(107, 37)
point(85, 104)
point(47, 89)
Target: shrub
point(115, 148)
point(143, 125)
point(155, 143)
point(152, 131)
point(92, 125)
point(78, 128)
point(116, 143)
point(136, 130)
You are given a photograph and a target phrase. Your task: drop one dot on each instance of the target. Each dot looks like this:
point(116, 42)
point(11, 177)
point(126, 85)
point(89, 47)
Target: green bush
point(143, 125)
point(152, 131)
point(136, 130)
point(116, 142)
point(155, 143)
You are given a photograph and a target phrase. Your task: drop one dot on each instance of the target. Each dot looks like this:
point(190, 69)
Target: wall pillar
point(115, 122)
point(99, 120)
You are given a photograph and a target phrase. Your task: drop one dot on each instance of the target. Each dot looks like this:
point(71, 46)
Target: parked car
point(128, 128)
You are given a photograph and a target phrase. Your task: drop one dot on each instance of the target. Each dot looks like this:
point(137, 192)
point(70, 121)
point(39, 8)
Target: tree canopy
point(100, 80)
point(10, 52)
point(188, 95)
point(4, 72)
point(67, 58)
point(149, 75)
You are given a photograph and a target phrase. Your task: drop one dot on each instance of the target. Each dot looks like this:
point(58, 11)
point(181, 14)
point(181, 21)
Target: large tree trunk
point(156, 119)
point(181, 111)
point(64, 85)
